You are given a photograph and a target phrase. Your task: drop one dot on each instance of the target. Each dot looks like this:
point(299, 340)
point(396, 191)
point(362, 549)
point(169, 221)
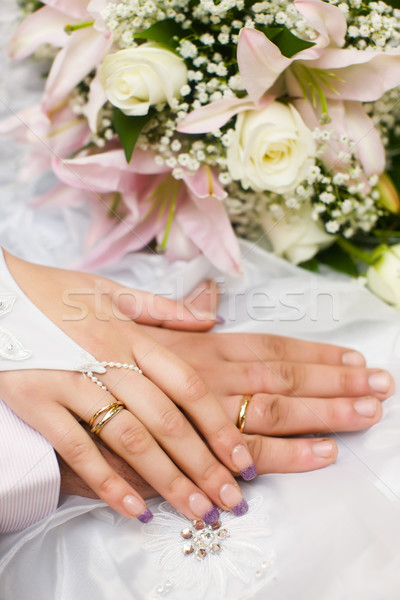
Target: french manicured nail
point(323, 449)
point(380, 381)
point(220, 320)
point(202, 508)
point(244, 462)
point(231, 496)
point(366, 407)
point(135, 507)
point(353, 359)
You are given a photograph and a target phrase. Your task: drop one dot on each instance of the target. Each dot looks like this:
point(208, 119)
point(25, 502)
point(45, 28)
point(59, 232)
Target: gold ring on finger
point(243, 412)
point(110, 411)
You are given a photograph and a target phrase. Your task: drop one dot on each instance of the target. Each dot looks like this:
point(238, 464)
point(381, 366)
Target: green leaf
point(287, 43)
point(166, 32)
point(128, 129)
point(336, 258)
point(310, 265)
point(394, 3)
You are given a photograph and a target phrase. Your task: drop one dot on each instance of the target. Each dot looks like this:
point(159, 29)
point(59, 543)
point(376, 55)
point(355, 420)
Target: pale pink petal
point(348, 119)
point(45, 26)
point(359, 75)
point(83, 52)
point(328, 20)
point(17, 125)
point(216, 114)
point(260, 62)
point(128, 236)
point(205, 221)
point(205, 183)
point(76, 9)
point(368, 143)
point(97, 98)
point(62, 195)
point(107, 171)
point(102, 172)
point(94, 9)
point(179, 246)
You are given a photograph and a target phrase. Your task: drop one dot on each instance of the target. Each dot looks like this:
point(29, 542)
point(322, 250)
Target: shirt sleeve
point(29, 474)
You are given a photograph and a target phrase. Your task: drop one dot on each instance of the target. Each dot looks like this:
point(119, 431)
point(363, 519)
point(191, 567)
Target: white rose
point(384, 276)
point(272, 149)
point(296, 236)
point(136, 78)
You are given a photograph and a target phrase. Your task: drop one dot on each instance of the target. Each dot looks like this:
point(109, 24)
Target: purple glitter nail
point(249, 473)
point(240, 509)
point(146, 516)
point(211, 515)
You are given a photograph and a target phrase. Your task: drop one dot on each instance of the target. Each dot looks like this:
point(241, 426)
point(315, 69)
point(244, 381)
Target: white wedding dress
point(327, 535)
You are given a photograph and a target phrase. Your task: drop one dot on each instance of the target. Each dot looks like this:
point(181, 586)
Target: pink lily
point(186, 216)
point(60, 135)
point(81, 51)
point(260, 70)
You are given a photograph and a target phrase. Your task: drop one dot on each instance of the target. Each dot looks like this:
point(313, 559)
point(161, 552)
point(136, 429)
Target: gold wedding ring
point(111, 410)
point(243, 413)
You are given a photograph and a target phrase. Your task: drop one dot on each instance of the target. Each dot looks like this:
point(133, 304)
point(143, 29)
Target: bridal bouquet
point(185, 122)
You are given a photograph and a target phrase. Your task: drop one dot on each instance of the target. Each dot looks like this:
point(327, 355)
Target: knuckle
point(76, 452)
point(135, 440)
point(253, 373)
point(291, 376)
point(270, 411)
point(223, 435)
point(275, 347)
point(108, 485)
point(194, 387)
point(175, 485)
point(173, 423)
point(212, 472)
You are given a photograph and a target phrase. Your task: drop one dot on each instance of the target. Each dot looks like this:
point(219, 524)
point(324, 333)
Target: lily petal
point(368, 143)
point(97, 98)
point(359, 75)
point(76, 9)
point(328, 20)
point(260, 62)
point(82, 53)
point(44, 26)
point(216, 114)
point(205, 221)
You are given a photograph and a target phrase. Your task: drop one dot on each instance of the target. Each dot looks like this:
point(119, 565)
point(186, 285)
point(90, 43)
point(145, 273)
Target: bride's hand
point(296, 388)
point(152, 435)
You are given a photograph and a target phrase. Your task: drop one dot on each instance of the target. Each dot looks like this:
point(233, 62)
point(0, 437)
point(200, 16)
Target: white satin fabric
point(331, 534)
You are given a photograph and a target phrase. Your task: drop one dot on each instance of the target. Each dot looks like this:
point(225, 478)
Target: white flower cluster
point(374, 25)
point(385, 114)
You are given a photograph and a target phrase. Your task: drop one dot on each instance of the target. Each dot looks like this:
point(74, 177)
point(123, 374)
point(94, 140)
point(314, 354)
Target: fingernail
point(353, 359)
point(244, 462)
point(366, 407)
point(135, 507)
point(232, 497)
point(220, 320)
point(323, 449)
point(203, 508)
point(380, 381)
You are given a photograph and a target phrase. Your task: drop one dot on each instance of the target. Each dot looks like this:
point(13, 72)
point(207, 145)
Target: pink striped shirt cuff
point(29, 474)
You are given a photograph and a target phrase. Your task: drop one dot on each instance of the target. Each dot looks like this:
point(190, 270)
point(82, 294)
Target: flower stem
point(84, 25)
point(355, 252)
